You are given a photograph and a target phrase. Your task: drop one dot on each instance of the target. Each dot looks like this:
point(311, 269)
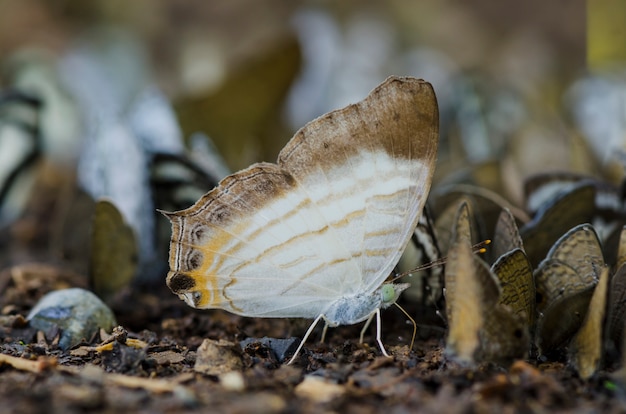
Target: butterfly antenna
point(478, 248)
point(412, 321)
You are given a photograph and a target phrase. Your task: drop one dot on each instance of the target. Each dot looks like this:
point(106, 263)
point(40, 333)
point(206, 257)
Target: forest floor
point(159, 361)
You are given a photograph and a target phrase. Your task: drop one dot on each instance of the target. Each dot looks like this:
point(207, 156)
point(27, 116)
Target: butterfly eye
point(388, 293)
point(192, 298)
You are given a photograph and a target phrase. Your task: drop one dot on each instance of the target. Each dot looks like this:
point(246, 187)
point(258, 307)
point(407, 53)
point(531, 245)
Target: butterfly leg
point(324, 332)
point(367, 325)
point(380, 342)
point(306, 335)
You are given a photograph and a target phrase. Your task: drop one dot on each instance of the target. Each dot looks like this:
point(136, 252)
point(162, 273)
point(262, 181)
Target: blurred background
point(249, 73)
point(150, 103)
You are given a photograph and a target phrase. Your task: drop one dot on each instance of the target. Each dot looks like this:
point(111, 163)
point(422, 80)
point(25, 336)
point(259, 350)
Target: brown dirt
point(338, 376)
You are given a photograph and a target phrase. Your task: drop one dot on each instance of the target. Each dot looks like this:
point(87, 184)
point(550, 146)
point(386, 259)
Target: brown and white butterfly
point(317, 234)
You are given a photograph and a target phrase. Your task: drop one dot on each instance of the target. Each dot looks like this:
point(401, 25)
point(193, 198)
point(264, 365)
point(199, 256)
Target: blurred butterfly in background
point(487, 311)
point(565, 281)
point(422, 250)
point(21, 147)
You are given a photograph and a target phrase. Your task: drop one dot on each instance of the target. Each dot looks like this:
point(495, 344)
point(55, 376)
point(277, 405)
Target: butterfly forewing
point(506, 234)
point(555, 218)
point(518, 285)
point(580, 248)
point(113, 250)
point(587, 345)
point(368, 174)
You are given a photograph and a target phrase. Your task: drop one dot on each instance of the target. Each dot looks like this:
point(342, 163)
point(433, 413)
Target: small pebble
point(281, 348)
point(78, 313)
point(217, 357)
point(186, 396)
point(232, 381)
point(319, 389)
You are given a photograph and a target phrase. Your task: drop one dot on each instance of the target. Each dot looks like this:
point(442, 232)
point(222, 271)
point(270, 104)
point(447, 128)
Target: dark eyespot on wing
point(289, 180)
point(180, 282)
point(265, 187)
point(197, 234)
point(194, 260)
point(219, 215)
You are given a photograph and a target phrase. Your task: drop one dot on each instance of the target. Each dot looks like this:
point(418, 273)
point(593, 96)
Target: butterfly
point(487, 309)
point(587, 345)
point(114, 252)
point(556, 216)
point(316, 234)
point(565, 281)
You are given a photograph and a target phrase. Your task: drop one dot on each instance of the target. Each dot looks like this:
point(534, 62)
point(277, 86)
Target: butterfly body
point(349, 310)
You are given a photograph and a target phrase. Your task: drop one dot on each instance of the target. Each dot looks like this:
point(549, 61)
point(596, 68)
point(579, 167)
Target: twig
point(39, 365)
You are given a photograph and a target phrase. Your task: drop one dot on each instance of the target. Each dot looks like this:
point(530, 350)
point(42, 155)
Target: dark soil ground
point(150, 366)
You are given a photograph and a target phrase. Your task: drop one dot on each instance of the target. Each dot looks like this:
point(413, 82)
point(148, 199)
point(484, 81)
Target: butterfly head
point(390, 292)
